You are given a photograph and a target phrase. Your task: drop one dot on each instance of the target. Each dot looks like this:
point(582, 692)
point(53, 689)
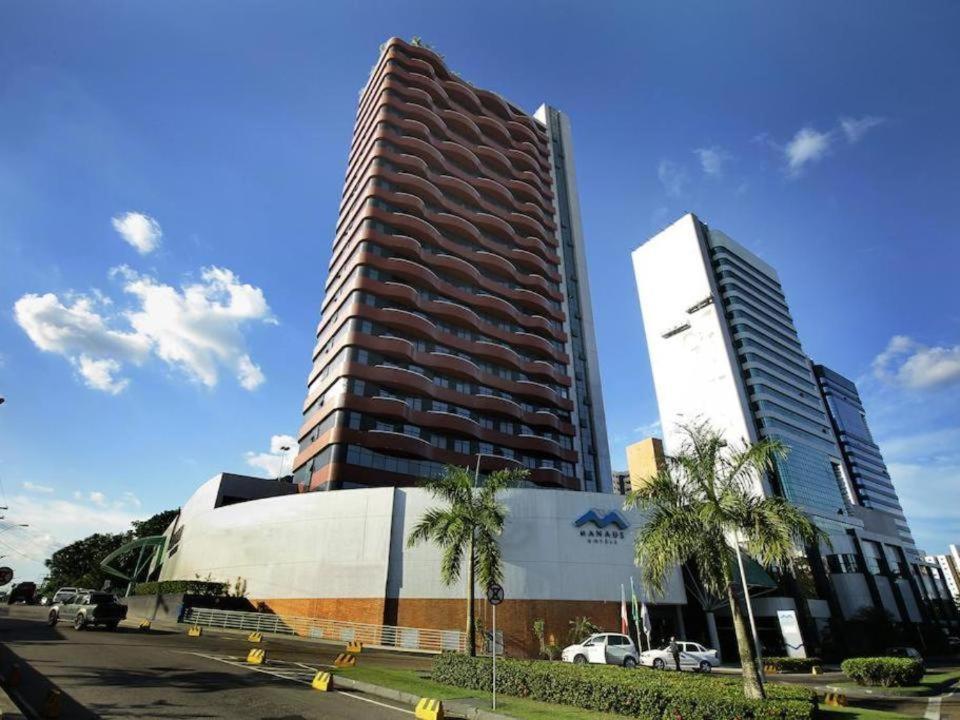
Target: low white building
point(343, 555)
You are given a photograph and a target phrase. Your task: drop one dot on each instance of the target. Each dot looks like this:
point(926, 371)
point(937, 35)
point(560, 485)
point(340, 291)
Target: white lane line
point(933, 708)
point(245, 666)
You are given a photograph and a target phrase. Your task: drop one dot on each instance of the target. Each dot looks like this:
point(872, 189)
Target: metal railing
point(386, 636)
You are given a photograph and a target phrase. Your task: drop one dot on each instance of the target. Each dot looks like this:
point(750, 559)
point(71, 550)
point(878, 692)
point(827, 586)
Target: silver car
point(603, 648)
point(693, 656)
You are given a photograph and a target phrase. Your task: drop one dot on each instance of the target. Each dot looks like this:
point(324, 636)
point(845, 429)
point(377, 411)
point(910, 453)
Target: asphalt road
point(165, 674)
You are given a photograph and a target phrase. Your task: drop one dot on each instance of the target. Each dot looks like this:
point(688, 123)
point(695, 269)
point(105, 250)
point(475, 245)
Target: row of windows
point(388, 277)
point(421, 403)
point(394, 131)
point(726, 257)
point(369, 327)
point(766, 405)
point(760, 389)
point(453, 443)
point(790, 362)
point(472, 206)
point(736, 295)
point(448, 328)
point(769, 330)
point(780, 382)
point(369, 357)
point(762, 360)
point(735, 275)
point(821, 441)
point(475, 289)
point(447, 103)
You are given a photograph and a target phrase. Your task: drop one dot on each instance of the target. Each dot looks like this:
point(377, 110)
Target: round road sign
point(495, 594)
point(6, 575)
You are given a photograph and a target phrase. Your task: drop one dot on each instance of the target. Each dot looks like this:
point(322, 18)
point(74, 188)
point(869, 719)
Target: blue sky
point(144, 357)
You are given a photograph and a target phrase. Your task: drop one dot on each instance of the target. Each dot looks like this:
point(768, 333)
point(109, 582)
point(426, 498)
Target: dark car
point(89, 609)
point(25, 592)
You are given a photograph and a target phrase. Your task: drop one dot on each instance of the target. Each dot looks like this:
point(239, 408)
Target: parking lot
point(165, 674)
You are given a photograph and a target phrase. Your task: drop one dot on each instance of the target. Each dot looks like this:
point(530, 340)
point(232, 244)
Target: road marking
point(933, 708)
point(236, 662)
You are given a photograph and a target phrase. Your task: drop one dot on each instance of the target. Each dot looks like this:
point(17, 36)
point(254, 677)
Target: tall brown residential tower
point(456, 320)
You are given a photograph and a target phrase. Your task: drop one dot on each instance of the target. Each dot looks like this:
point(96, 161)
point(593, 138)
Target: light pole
point(15, 525)
point(284, 449)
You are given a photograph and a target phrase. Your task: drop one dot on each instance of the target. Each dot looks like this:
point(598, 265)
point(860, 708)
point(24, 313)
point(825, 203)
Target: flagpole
point(636, 615)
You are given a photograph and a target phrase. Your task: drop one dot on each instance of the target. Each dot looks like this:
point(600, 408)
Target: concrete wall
point(695, 369)
point(343, 555)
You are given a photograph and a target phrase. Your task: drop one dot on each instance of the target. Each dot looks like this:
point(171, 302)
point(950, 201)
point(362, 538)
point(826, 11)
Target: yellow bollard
point(145, 625)
point(354, 647)
point(255, 637)
point(835, 699)
point(345, 660)
point(322, 681)
point(195, 631)
point(51, 706)
point(429, 709)
point(256, 656)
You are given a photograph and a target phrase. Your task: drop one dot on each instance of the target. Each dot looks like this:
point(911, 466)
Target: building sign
point(602, 527)
point(791, 633)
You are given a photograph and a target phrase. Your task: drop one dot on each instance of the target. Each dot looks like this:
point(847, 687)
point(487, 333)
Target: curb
point(468, 711)
point(8, 708)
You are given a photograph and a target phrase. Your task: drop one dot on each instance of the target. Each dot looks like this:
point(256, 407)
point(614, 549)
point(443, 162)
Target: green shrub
point(883, 671)
point(188, 587)
point(637, 692)
point(791, 664)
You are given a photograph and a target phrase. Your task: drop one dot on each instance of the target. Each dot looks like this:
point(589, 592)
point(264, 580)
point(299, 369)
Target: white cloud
point(139, 230)
point(101, 374)
point(33, 487)
point(277, 461)
point(672, 176)
point(910, 364)
point(712, 160)
point(53, 523)
point(649, 430)
point(197, 328)
point(855, 128)
point(97, 498)
point(807, 146)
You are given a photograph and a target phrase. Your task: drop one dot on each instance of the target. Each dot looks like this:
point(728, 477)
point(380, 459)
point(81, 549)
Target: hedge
point(639, 692)
point(883, 671)
point(791, 664)
point(188, 587)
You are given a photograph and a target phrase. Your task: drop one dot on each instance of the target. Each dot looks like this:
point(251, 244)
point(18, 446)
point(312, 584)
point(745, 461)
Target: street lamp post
point(284, 449)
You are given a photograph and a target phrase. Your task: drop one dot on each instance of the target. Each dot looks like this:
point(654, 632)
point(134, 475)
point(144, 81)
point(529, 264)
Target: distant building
point(644, 460)
point(621, 482)
point(861, 456)
point(724, 349)
point(950, 566)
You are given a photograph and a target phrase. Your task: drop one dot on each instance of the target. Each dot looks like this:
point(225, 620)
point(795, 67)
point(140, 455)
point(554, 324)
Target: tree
point(467, 530)
point(700, 504)
point(581, 628)
point(78, 564)
point(155, 525)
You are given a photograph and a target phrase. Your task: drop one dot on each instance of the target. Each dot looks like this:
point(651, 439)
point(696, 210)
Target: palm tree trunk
point(752, 686)
point(471, 622)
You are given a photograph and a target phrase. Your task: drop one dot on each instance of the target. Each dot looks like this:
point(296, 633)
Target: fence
point(386, 636)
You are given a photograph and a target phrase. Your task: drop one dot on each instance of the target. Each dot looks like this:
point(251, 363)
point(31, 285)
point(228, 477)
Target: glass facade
point(864, 463)
point(781, 387)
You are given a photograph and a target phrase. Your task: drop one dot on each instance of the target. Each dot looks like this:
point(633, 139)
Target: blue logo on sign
point(611, 517)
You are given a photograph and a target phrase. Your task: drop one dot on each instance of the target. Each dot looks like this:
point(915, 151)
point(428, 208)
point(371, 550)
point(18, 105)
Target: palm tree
point(706, 499)
point(467, 530)
point(581, 628)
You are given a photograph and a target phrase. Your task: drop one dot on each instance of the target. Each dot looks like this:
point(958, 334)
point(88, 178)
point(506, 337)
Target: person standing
point(675, 652)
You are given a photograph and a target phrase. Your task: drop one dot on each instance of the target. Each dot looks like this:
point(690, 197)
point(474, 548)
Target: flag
point(645, 619)
point(624, 622)
point(636, 612)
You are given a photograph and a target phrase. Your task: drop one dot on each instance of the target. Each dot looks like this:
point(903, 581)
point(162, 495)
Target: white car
point(603, 648)
point(693, 656)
